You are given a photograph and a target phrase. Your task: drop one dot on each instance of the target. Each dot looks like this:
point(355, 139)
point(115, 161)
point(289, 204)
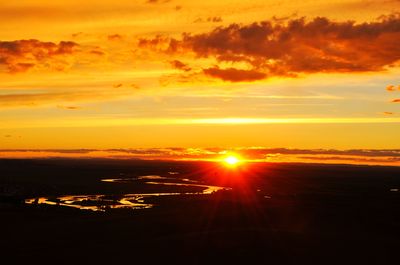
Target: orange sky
point(139, 74)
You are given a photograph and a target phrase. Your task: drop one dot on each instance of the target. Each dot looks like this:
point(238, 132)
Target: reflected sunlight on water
point(131, 201)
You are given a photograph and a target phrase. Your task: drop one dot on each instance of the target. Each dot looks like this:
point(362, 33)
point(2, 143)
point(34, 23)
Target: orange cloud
point(157, 1)
point(22, 55)
point(115, 37)
point(292, 47)
point(234, 75)
point(97, 52)
point(209, 19)
point(117, 85)
point(68, 107)
point(158, 43)
point(214, 19)
point(397, 100)
point(357, 156)
point(180, 65)
point(65, 97)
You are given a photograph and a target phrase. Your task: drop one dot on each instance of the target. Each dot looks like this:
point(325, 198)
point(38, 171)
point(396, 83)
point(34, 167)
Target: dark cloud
point(159, 43)
point(97, 52)
point(397, 100)
point(180, 65)
point(294, 46)
point(115, 37)
point(359, 160)
point(61, 151)
point(352, 152)
point(77, 34)
point(234, 75)
point(214, 19)
point(356, 156)
point(22, 55)
point(209, 19)
point(388, 113)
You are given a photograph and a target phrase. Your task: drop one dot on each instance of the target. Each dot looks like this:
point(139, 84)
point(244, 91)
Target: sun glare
point(231, 160)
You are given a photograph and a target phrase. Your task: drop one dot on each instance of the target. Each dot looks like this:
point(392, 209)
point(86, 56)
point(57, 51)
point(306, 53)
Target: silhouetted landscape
point(200, 132)
point(258, 213)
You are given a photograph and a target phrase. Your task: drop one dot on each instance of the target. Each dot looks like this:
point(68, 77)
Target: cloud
point(355, 156)
point(180, 65)
point(357, 160)
point(209, 19)
point(97, 52)
point(158, 43)
point(115, 37)
point(234, 75)
point(388, 113)
point(68, 107)
point(157, 1)
point(65, 97)
point(291, 47)
point(135, 86)
point(21, 55)
point(214, 19)
point(391, 88)
point(351, 152)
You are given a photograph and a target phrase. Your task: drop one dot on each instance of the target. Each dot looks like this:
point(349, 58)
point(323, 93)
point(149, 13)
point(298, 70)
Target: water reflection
point(132, 201)
point(207, 189)
point(148, 177)
point(93, 202)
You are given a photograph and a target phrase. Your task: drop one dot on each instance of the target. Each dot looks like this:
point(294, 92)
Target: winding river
point(101, 202)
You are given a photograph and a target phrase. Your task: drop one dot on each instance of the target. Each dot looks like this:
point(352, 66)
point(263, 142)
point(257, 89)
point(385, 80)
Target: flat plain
point(262, 213)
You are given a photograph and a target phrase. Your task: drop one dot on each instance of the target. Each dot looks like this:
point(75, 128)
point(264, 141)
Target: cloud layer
point(22, 55)
point(295, 46)
point(354, 156)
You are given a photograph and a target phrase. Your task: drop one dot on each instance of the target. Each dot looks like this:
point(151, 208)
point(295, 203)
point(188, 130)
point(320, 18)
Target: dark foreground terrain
point(274, 214)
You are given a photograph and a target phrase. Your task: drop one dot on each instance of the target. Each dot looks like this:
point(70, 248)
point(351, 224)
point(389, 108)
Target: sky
point(229, 74)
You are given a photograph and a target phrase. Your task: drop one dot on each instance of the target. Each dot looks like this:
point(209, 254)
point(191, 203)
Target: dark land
point(274, 214)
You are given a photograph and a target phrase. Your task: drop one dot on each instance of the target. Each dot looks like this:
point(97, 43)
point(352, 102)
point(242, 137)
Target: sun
point(231, 160)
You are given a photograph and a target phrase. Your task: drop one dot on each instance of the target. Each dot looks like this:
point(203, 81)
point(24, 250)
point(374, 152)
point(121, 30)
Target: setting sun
point(195, 132)
point(231, 160)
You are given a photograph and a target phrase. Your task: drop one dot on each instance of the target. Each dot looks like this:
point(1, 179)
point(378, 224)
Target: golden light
point(231, 160)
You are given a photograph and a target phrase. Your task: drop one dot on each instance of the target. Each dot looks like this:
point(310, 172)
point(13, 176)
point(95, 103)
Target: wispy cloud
point(354, 156)
point(68, 107)
point(45, 98)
